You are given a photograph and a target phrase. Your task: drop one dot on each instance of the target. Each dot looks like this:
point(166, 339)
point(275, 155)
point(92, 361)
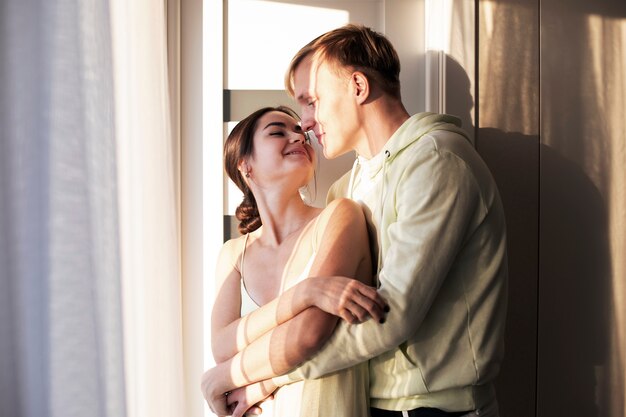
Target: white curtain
point(90, 315)
point(148, 174)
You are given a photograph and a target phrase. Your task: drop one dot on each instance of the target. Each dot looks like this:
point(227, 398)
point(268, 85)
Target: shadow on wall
point(513, 160)
point(558, 257)
point(574, 298)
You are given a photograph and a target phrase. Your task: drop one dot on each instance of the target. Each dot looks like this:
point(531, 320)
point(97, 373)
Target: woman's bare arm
point(230, 333)
point(341, 222)
point(343, 252)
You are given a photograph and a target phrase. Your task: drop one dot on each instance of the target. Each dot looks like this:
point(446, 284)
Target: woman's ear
point(360, 86)
point(244, 169)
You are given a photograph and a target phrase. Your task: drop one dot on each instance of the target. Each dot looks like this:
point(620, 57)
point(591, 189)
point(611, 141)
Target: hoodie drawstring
point(382, 200)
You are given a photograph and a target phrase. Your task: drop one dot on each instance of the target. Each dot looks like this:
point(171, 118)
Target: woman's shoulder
point(234, 242)
point(343, 206)
point(342, 213)
point(232, 249)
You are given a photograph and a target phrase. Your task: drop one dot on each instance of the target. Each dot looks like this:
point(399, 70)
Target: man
point(438, 224)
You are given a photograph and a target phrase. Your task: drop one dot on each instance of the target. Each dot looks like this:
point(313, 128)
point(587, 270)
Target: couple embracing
point(391, 300)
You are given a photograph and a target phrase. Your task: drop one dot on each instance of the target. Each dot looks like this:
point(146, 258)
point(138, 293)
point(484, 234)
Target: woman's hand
point(213, 394)
point(247, 400)
point(347, 298)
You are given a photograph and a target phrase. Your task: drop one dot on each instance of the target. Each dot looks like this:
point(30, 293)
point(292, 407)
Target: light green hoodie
point(434, 209)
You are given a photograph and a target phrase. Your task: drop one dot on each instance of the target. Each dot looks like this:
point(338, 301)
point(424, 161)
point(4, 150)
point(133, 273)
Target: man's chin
point(329, 154)
point(332, 153)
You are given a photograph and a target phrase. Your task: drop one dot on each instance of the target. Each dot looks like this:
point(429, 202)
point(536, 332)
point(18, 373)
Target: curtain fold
point(60, 307)
point(90, 291)
point(150, 242)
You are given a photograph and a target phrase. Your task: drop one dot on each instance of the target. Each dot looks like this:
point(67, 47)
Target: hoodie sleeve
point(430, 198)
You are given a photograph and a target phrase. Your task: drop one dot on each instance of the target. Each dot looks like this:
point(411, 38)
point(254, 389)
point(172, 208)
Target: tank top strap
point(314, 241)
point(243, 254)
point(248, 304)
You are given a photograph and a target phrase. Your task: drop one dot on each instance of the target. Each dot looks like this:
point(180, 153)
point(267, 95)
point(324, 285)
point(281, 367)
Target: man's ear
point(360, 86)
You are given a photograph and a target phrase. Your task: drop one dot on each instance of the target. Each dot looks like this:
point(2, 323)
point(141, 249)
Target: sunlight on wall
point(438, 14)
point(608, 59)
point(438, 19)
point(504, 26)
point(463, 51)
point(263, 36)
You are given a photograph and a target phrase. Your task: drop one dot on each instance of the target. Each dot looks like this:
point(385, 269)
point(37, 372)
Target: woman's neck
point(282, 215)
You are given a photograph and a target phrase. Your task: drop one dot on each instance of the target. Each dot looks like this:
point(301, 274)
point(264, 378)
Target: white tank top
point(289, 397)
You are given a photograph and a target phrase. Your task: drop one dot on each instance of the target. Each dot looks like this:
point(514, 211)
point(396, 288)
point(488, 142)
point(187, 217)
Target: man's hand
point(347, 298)
point(214, 393)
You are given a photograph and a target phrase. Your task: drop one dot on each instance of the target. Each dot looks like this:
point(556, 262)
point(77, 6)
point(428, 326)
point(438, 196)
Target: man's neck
point(380, 120)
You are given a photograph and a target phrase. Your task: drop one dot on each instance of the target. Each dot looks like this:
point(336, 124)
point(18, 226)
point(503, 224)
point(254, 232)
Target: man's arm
point(435, 197)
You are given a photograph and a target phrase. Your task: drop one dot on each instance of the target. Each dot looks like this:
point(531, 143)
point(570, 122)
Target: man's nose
point(308, 119)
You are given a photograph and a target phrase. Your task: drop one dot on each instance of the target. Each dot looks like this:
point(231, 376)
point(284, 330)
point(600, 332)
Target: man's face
point(327, 106)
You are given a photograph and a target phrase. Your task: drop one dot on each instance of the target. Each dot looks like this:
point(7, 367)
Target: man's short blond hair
point(353, 48)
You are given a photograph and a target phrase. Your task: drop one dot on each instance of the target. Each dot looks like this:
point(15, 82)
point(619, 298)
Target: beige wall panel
point(582, 321)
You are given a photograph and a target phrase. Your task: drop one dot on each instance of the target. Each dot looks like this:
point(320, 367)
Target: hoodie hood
point(420, 124)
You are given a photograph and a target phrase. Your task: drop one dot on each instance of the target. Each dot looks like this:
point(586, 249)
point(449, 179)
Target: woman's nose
point(295, 137)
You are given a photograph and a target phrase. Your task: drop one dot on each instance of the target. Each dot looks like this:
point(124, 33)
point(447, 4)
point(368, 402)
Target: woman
point(264, 277)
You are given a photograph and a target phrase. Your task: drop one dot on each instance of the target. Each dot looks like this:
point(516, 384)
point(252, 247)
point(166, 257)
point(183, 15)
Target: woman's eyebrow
point(279, 124)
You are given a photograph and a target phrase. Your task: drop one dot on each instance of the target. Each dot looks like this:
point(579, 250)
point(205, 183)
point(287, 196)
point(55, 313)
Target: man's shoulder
point(434, 146)
point(437, 139)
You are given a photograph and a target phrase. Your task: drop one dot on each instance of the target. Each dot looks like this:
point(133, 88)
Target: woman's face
point(281, 152)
